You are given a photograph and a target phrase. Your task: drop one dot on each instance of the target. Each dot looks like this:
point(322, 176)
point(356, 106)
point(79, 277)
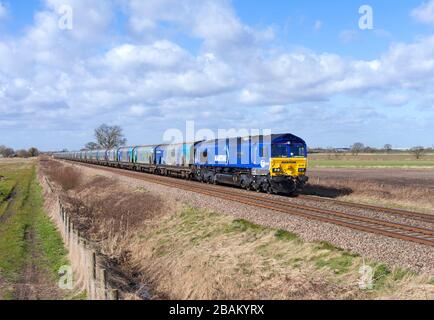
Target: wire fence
point(88, 265)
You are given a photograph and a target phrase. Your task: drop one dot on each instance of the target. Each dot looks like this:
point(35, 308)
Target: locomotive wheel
point(243, 184)
point(266, 187)
point(270, 190)
point(214, 180)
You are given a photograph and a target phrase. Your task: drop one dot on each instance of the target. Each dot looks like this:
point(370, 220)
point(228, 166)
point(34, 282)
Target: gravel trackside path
point(394, 252)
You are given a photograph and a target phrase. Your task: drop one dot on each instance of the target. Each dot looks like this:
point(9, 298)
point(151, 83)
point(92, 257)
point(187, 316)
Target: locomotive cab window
point(298, 152)
point(287, 151)
point(280, 151)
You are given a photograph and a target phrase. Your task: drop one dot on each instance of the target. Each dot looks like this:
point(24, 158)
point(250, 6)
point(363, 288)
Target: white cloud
point(424, 13)
point(396, 99)
point(318, 25)
point(81, 78)
point(90, 21)
point(161, 55)
point(347, 36)
point(137, 111)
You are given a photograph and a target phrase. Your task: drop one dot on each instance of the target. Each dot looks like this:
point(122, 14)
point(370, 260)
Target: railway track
point(396, 212)
point(361, 223)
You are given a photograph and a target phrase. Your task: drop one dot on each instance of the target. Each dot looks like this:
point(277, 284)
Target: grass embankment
point(203, 255)
point(27, 235)
point(337, 160)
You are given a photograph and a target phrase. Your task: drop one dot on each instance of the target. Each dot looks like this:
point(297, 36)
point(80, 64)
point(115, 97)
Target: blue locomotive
point(272, 164)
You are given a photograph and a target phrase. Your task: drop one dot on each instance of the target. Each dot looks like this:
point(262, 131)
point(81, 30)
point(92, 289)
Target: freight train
point(273, 164)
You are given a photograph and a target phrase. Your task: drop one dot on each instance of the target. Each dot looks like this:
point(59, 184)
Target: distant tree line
point(6, 152)
point(419, 152)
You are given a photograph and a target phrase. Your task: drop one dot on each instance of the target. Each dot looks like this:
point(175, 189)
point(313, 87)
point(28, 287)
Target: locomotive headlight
point(277, 170)
point(302, 170)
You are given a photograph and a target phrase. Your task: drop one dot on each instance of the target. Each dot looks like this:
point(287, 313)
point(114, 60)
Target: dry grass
point(110, 217)
point(101, 209)
point(202, 255)
point(67, 177)
point(16, 160)
point(406, 197)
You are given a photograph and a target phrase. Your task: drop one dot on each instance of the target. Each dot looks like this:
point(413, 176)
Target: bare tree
point(369, 149)
point(330, 152)
point(110, 137)
point(22, 153)
point(33, 152)
point(357, 148)
point(92, 146)
point(388, 148)
point(6, 152)
point(418, 152)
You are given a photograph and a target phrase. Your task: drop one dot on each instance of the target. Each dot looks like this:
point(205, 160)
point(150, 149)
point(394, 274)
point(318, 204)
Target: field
point(393, 160)
point(31, 250)
point(394, 180)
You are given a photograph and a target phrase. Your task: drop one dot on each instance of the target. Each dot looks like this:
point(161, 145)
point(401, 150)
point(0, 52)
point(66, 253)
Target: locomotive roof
point(274, 138)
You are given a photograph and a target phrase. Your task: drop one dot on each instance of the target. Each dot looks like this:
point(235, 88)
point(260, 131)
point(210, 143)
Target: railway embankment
point(185, 245)
point(91, 270)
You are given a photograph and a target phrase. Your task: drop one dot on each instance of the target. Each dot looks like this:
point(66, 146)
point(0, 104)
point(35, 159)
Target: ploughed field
point(402, 188)
point(394, 177)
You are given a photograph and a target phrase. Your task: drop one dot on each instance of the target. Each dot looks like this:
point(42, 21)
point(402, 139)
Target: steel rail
point(376, 226)
point(303, 207)
point(398, 212)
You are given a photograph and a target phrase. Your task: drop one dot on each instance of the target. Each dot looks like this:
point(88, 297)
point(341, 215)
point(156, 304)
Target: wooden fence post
point(93, 278)
point(104, 283)
point(93, 264)
point(66, 223)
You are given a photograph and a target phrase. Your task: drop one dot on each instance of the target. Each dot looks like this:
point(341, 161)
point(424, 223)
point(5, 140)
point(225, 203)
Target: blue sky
point(303, 67)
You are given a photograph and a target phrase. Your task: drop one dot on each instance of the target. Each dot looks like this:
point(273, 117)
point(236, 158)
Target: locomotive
point(273, 164)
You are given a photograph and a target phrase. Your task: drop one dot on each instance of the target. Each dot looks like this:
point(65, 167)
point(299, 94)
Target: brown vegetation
point(67, 177)
point(395, 195)
point(103, 211)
